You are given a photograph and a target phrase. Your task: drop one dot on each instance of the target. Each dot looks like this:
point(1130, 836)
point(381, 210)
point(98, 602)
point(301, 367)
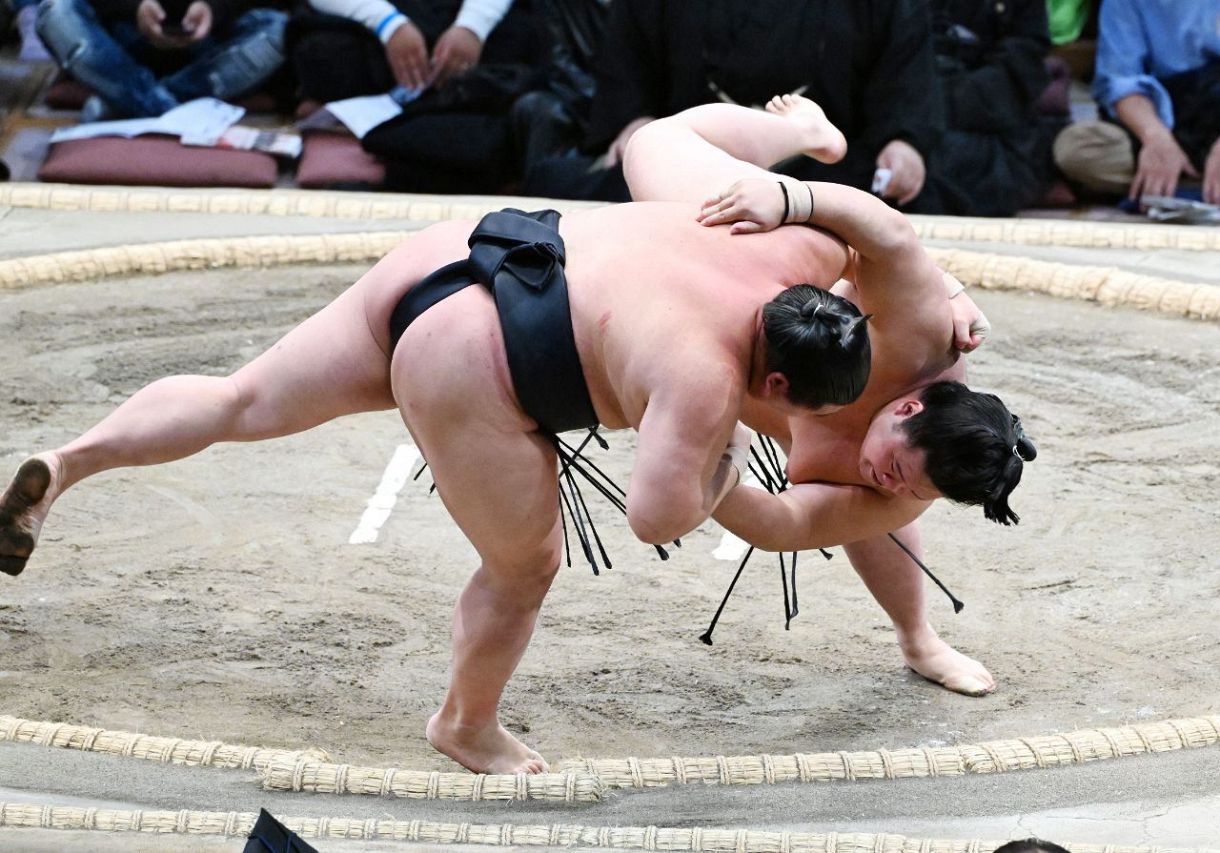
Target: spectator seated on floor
point(469, 59)
point(1158, 82)
point(145, 57)
point(995, 156)
point(554, 118)
point(867, 63)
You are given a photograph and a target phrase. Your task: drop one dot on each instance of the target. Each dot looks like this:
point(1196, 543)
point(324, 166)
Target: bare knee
point(526, 578)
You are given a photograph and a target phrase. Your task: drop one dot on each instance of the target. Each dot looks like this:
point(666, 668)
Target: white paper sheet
point(359, 115)
point(198, 122)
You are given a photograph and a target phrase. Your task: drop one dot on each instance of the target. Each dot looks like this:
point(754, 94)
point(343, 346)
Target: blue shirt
point(1142, 41)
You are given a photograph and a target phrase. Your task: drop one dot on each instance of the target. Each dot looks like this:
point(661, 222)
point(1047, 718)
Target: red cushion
point(329, 158)
point(66, 94)
point(155, 161)
point(1057, 194)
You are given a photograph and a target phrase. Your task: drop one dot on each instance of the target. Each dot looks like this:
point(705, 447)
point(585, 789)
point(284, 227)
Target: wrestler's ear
point(908, 406)
point(775, 386)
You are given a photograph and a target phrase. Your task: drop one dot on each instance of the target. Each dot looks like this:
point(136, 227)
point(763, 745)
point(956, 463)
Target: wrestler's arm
point(892, 270)
point(682, 470)
point(813, 515)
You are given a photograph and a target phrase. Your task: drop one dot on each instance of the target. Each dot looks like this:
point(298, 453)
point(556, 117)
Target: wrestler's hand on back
point(751, 205)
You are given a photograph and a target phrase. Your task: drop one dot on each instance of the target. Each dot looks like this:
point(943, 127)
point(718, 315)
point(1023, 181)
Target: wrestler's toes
point(12, 565)
point(969, 686)
point(15, 543)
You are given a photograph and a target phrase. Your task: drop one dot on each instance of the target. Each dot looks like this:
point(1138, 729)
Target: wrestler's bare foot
point(930, 656)
point(23, 507)
point(485, 749)
point(823, 141)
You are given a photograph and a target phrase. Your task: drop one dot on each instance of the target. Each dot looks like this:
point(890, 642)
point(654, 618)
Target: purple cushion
point(329, 158)
point(155, 161)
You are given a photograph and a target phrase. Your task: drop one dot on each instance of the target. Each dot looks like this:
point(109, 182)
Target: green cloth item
point(1066, 18)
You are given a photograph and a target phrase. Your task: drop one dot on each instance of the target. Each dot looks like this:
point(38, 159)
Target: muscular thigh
point(495, 473)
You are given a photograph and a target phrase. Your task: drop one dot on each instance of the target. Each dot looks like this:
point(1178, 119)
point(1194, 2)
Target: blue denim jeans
point(113, 58)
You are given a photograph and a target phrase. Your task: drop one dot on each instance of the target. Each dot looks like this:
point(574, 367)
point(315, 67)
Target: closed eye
point(903, 477)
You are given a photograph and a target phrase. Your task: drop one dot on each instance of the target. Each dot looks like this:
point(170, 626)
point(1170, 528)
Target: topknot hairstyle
point(819, 342)
point(1030, 845)
point(975, 448)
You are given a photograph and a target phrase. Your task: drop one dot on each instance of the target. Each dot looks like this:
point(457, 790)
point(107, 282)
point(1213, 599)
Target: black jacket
point(995, 155)
point(867, 62)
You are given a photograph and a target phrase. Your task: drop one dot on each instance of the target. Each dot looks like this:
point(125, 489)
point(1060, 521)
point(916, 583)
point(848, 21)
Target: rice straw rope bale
point(317, 204)
point(1000, 756)
point(693, 839)
point(435, 208)
point(1107, 285)
point(1060, 232)
point(198, 753)
point(210, 254)
point(293, 773)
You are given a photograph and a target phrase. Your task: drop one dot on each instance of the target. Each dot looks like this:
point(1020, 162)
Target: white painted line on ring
point(381, 504)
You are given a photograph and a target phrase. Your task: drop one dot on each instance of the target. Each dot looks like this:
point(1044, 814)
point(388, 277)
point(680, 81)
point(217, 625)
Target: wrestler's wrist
point(798, 202)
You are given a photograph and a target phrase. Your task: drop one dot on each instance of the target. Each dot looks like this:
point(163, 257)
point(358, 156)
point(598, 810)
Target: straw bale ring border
point(314, 204)
point(434, 208)
point(194, 753)
point(585, 780)
point(1109, 286)
point(990, 271)
point(650, 838)
point(298, 773)
point(307, 769)
point(990, 757)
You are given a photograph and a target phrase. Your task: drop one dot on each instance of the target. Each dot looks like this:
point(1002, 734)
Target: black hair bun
point(1026, 449)
point(1023, 447)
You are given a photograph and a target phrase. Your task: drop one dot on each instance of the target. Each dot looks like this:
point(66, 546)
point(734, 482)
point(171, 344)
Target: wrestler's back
point(647, 281)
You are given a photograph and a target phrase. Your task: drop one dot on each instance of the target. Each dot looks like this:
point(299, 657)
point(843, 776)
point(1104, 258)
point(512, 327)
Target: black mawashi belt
point(519, 258)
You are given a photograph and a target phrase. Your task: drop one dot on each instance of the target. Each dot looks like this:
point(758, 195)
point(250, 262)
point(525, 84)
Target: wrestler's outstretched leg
point(898, 586)
point(690, 155)
point(497, 477)
point(330, 365)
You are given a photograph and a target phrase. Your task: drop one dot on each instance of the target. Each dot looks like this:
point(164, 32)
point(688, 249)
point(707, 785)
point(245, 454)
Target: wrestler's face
point(888, 462)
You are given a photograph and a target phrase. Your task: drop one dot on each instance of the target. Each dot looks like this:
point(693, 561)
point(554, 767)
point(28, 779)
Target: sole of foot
point(28, 488)
point(826, 143)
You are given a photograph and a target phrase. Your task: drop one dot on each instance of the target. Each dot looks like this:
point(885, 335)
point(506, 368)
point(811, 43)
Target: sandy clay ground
point(218, 597)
